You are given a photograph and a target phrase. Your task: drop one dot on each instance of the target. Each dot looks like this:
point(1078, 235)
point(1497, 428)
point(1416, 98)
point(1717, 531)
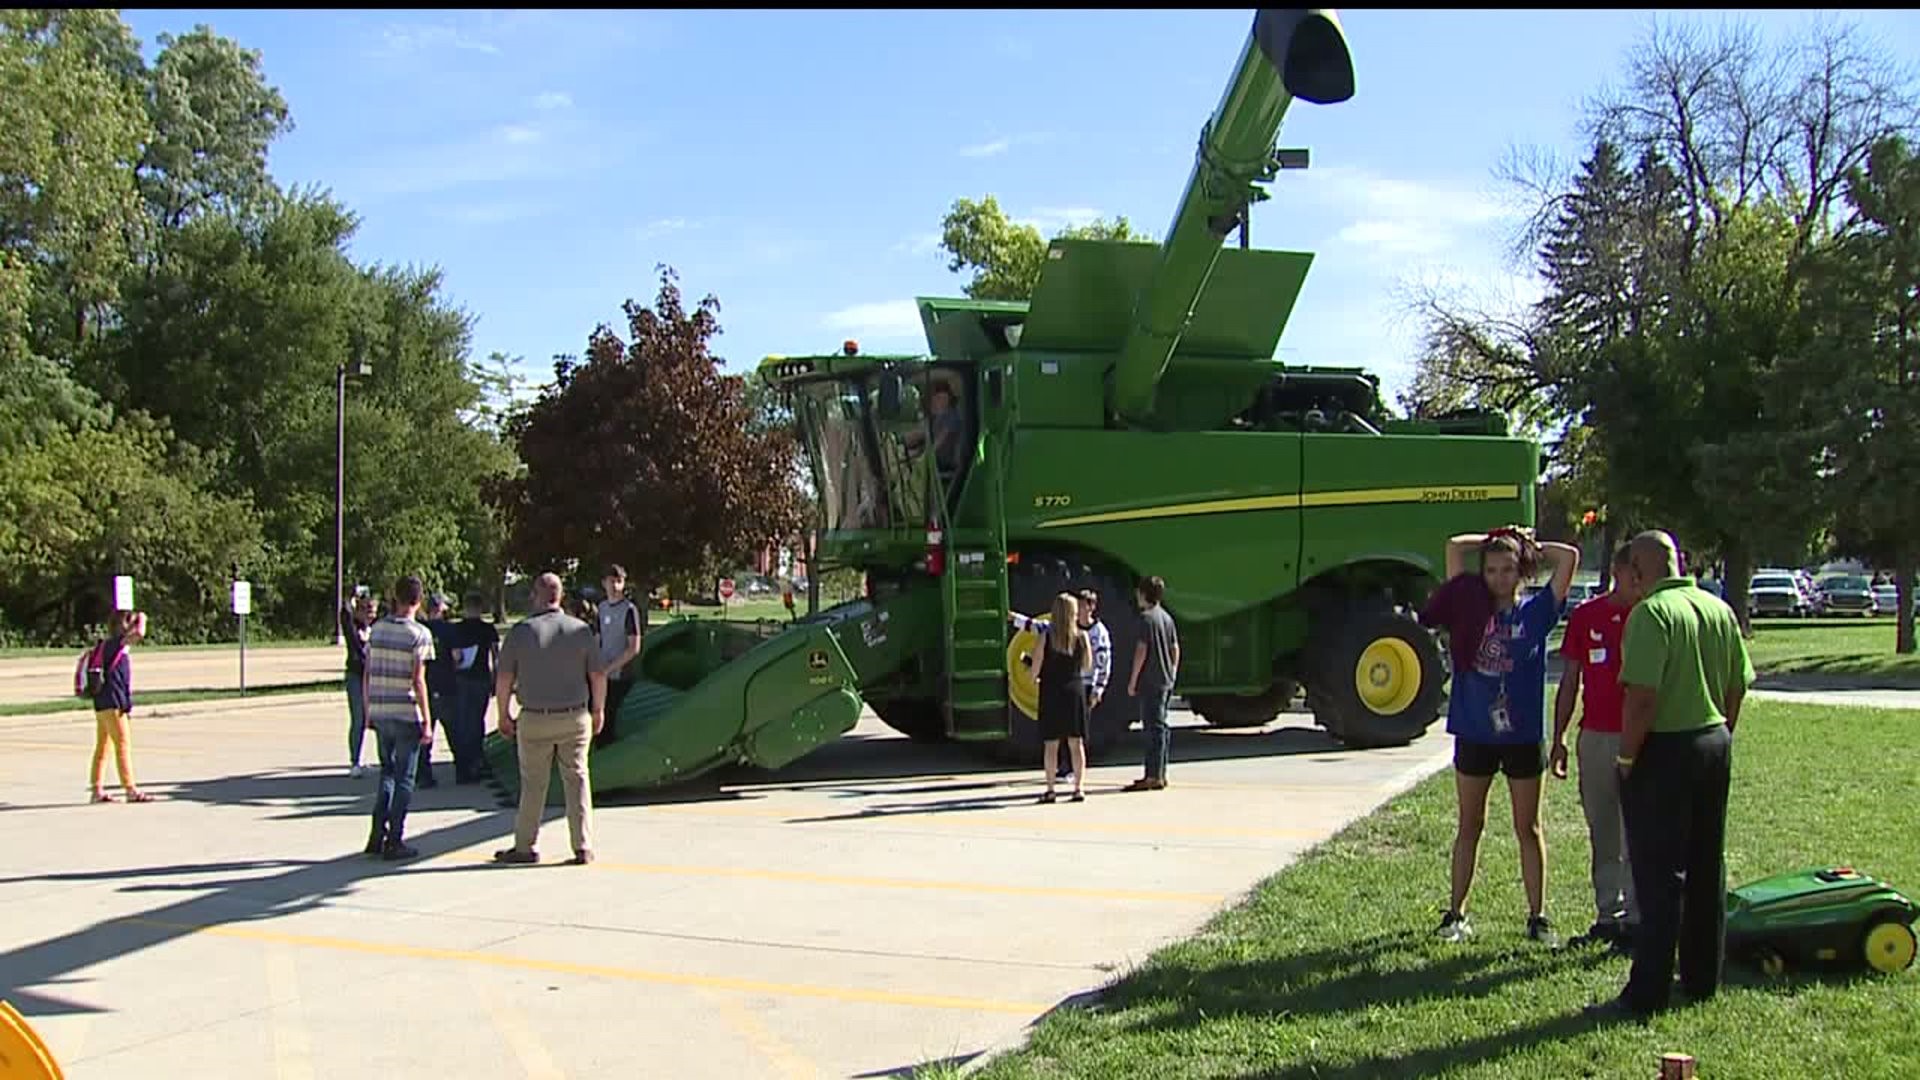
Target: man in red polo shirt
point(1590, 655)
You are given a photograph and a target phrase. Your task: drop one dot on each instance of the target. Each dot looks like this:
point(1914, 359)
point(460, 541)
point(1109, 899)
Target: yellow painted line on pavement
point(604, 971)
point(757, 1035)
point(1149, 895)
point(292, 1050)
point(519, 1035)
point(813, 816)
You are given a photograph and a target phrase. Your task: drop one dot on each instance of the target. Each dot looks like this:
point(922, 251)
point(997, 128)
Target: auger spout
point(1289, 54)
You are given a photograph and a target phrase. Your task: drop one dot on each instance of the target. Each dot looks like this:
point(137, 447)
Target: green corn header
point(1129, 421)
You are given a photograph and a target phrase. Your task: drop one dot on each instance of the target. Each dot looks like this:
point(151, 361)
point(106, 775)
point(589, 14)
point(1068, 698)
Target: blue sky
point(797, 165)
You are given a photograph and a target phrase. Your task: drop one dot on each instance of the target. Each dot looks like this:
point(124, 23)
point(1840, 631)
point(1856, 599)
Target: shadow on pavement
point(302, 887)
point(858, 766)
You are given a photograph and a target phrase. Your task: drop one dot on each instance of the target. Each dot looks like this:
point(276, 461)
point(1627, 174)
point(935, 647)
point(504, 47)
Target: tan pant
point(542, 738)
point(110, 726)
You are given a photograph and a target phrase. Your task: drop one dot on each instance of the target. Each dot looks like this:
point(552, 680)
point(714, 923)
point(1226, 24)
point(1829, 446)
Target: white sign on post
point(243, 598)
point(122, 592)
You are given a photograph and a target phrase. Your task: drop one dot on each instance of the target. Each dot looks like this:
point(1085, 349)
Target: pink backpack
point(90, 674)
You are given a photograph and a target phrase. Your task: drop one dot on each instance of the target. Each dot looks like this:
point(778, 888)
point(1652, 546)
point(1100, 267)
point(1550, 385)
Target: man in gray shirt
point(1156, 664)
point(550, 662)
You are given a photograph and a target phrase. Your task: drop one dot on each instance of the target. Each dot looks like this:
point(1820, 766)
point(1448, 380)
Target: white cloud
point(1392, 219)
point(883, 321)
point(1051, 219)
point(664, 226)
point(490, 213)
point(408, 39)
point(553, 99)
point(997, 146)
point(919, 245)
point(518, 133)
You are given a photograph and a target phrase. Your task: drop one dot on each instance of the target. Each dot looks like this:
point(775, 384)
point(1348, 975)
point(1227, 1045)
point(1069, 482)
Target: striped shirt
point(394, 647)
point(1097, 636)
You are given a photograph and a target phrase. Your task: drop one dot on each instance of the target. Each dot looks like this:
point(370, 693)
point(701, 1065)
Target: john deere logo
point(817, 660)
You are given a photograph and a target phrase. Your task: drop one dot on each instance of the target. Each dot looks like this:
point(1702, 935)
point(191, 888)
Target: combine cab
point(1129, 421)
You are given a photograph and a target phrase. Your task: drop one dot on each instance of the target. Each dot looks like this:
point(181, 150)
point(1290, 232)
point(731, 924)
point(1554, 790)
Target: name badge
point(1517, 631)
point(1596, 656)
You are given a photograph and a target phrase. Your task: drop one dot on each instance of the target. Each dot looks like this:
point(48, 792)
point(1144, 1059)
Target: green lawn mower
point(1831, 917)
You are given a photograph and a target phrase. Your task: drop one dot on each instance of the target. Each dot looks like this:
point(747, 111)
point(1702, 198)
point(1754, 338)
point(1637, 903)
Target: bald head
point(546, 590)
point(1655, 556)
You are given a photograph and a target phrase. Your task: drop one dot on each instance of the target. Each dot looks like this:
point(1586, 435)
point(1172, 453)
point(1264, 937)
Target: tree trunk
point(1609, 540)
point(1739, 563)
point(1903, 609)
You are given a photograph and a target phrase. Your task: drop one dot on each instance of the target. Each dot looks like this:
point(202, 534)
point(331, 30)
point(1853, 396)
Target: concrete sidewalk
point(876, 906)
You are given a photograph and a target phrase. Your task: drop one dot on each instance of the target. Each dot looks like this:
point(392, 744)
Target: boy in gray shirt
point(1156, 664)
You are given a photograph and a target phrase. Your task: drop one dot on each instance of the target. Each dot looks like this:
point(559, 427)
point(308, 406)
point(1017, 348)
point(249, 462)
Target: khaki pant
point(1613, 897)
point(542, 738)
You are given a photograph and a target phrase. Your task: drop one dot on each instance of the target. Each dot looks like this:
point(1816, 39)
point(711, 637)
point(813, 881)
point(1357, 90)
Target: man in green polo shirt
point(1684, 669)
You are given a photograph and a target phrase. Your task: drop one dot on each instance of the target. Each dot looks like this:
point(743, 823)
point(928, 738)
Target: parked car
point(1886, 600)
point(1777, 595)
point(1851, 594)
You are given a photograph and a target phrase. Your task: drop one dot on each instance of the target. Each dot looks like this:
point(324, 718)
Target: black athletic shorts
point(1520, 761)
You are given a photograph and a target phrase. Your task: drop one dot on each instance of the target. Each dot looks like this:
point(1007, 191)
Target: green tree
point(213, 117)
point(1867, 327)
point(71, 129)
point(1005, 256)
point(645, 454)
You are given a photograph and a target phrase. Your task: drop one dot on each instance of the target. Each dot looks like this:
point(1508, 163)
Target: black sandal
point(1077, 797)
point(1047, 798)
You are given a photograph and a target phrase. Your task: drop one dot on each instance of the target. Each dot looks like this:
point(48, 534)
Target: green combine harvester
point(1129, 421)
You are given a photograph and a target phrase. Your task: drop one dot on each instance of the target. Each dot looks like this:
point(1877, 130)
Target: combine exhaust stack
point(1289, 54)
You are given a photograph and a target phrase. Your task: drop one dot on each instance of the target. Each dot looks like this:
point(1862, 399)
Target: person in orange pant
point(114, 703)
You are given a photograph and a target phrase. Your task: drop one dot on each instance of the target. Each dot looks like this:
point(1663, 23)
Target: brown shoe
point(516, 857)
point(1145, 783)
point(581, 857)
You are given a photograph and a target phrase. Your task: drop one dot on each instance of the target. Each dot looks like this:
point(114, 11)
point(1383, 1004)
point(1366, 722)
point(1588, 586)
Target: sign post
point(726, 594)
point(242, 605)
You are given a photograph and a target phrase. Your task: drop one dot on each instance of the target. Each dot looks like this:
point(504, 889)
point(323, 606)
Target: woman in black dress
point(1066, 655)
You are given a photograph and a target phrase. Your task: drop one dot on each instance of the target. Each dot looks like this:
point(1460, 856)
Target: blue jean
point(440, 709)
point(469, 733)
point(399, 743)
point(356, 717)
point(1153, 724)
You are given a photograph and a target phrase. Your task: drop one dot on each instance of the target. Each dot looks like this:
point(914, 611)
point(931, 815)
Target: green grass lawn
point(1329, 968)
point(1830, 647)
point(42, 653)
point(1839, 647)
point(142, 699)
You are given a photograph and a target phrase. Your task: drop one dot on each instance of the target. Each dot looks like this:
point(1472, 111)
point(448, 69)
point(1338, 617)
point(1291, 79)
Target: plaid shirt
point(394, 646)
point(1097, 636)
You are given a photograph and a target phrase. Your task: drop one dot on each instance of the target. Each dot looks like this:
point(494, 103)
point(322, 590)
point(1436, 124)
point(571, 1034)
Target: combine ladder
point(975, 592)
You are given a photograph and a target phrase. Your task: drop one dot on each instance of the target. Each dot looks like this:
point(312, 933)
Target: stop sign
point(726, 588)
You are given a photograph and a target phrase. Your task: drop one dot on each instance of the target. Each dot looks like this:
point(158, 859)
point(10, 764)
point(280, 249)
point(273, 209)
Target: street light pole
point(359, 366)
point(339, 504)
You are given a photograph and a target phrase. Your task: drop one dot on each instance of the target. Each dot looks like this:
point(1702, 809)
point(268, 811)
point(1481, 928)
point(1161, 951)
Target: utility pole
point(359, 366)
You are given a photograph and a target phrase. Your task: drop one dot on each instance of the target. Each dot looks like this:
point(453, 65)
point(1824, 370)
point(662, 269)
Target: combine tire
point(1376, 680)
point(1031, 587)
point(918, 719)
point(1245, 710)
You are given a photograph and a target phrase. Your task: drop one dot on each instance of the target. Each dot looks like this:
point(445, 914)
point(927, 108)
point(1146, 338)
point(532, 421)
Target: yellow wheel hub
point(1023, 672)
point(1387, 676)
point(1890, 947)
point(23, 1054)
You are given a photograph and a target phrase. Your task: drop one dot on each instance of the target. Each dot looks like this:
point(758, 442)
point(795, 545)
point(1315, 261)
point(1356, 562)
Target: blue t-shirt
point(1513, 656)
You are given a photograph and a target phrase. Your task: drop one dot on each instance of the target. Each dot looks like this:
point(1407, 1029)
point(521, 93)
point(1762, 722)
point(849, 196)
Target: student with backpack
point(109, 681)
